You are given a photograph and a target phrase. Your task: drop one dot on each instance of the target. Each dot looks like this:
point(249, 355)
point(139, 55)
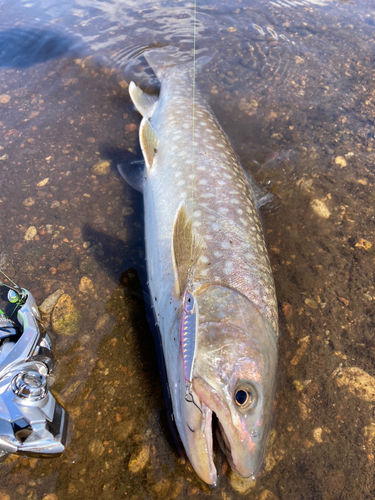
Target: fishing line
point(192, 148)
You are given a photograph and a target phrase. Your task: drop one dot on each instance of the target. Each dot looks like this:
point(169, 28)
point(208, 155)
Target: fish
point(209, 273)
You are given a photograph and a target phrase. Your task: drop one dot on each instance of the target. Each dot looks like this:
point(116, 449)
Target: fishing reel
point(32, 423)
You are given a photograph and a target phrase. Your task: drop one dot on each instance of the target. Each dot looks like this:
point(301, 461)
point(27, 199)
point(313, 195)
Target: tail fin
point(163, 59)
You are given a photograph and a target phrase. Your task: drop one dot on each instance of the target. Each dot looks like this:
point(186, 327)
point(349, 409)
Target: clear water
point(292, 84)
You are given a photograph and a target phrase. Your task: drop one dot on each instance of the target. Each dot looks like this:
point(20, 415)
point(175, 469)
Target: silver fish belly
point(205, 213)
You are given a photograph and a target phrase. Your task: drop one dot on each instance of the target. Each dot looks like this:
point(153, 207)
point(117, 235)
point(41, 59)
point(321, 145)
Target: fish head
point(234, 378)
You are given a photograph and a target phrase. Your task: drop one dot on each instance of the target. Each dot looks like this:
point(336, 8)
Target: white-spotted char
point(201, 217)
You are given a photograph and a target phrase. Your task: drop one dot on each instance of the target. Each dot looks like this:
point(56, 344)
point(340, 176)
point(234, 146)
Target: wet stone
point(30, 233)
point(43, 182)
point(86, 286)
point(96, 447)
point(317, 434)
point(29, 202)
point(139, 459)
point(4, 98)
point(241, 484)
point(362, 243)
point(50, 302)
point(320, 209)
point(267, 495)
point(311, 303)
point(101, 168)
point(65, 317)
point(358, 382)
point(340, 160)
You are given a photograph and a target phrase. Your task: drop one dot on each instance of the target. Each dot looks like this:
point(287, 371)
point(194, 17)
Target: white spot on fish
point(240, 211)
point(197, 213)
point(215, 226)
point(225, 245)
point(228, 268)
point(204, 259)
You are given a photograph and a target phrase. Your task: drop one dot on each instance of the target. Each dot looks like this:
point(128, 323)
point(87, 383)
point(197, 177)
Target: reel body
point(32, 422)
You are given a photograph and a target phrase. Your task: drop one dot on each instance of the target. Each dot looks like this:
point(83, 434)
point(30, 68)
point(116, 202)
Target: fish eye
point(245, 397)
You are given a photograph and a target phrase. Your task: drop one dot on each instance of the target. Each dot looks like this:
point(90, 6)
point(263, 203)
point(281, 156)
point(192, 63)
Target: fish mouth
point(241, 454)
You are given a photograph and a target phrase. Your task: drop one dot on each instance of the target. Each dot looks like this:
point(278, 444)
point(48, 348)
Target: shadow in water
point(24, 47)
point(120, 260)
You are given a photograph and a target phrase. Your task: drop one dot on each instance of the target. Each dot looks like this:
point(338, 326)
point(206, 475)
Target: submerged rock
point(30, 233)
point(102, 168)
point(65, 317)
point(50, 302)
point(320, 208)
point(241, 484)
point(357, 382)
point(139, 459)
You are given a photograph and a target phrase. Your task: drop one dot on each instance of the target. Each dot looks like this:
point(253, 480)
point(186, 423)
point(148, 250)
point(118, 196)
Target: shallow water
point(292, 84)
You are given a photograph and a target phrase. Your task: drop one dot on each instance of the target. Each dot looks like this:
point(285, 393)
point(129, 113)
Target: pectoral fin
point(187, 247)
point(144, 103)
point(134, 174)
point(149, 142)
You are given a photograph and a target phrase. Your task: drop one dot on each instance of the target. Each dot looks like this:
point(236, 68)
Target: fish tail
point(166, 59)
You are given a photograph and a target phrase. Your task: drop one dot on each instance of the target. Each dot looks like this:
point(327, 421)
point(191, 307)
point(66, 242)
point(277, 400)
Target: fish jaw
point(197, 437)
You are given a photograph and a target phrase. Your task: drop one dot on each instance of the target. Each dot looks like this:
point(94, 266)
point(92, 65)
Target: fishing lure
point(188, 335)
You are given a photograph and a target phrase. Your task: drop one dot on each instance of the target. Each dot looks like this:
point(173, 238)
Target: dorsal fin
point(144, 103)
point(149, 142)
point(187, 247)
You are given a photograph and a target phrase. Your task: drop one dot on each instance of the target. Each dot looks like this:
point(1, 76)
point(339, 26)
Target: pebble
point(363, 182)
point(50, 302)
point(340, 160)
point(30, 233)
point(138, 460)
point(132, 127)
point(96, 447)
point(3, 494)
point(317, 433)
point(55, 204)
point(102, 322)
point(303, 343)
point(65, 317)
point(362, 243)
point(357, 382)
point(4, 98)
point(311, 303)
point(29, 202)
point(91, 140)
point(101, 168)
point(86, 286)
point(43, 182)
point(287, 310)
point(161, 488)
point(241, 484)
point(123, 84)
point(320, 208)
point(267, 495)
point(50, 496)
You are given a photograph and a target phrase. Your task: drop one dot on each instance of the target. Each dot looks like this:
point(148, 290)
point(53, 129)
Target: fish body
point(204, 212)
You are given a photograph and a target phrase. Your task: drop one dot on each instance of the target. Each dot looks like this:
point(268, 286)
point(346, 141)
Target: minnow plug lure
point(188, 336)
